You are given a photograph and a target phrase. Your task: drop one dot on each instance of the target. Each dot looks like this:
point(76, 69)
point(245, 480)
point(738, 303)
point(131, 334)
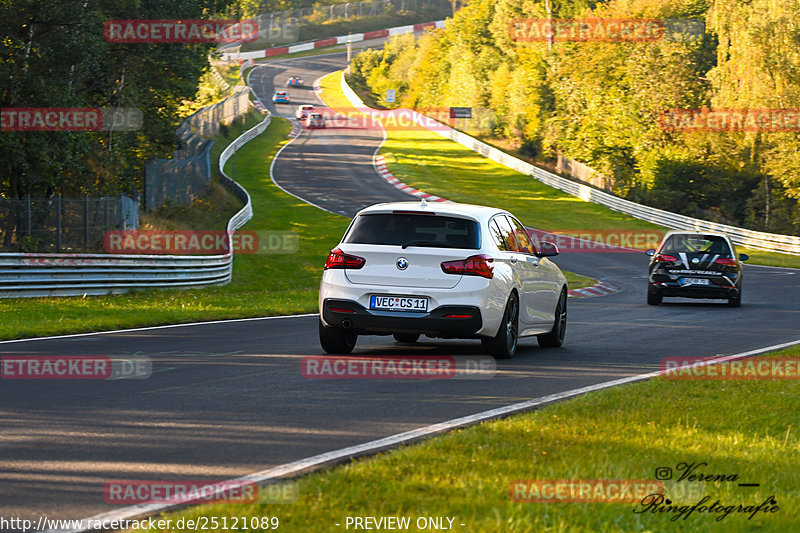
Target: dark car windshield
point(696, 244)
point(414, 230)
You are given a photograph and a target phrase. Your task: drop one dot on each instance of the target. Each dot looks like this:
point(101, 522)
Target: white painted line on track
point(165, 326)
point(342, 455)
point(272, 177)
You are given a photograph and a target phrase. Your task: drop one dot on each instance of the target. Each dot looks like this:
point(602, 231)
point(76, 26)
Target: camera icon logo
point(663, 473)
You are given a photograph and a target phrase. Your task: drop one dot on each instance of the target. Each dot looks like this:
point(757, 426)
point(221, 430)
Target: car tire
point(555, 338)
point(504, 344)
point(654, 295)
point(336, 340)
point(406, 337)
point(737, 300)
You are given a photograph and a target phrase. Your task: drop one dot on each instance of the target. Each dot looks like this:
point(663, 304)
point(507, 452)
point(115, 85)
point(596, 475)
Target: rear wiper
point(427, 243)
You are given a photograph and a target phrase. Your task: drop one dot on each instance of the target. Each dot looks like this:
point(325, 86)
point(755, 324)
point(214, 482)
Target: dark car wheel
point(504, 344)
point(406, 337)
point(654, 295)
point(736, 301)
point(555, 338)
point(336, 340)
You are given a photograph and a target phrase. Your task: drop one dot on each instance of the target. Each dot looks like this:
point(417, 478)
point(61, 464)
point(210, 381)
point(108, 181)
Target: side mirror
point(547, 249)
point(650, 252)
point(743, 257)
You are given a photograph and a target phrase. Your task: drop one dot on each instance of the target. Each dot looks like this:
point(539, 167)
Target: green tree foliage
point(53, 54)
point(603, 103)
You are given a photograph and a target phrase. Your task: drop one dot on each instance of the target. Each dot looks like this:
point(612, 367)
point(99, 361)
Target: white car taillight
point(338, 259)
point(475, 265)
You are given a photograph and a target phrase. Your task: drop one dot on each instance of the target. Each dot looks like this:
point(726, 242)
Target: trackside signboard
point(460, 112)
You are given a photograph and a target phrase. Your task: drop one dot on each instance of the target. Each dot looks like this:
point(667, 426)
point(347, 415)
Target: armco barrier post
point(58, 223)
point(85, 222)
point(28, 214)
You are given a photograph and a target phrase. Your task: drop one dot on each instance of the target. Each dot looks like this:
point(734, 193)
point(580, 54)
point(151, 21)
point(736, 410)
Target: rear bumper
point(438, 322)
point(709, 292)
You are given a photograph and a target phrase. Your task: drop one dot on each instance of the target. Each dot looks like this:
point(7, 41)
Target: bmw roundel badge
point(402, 263)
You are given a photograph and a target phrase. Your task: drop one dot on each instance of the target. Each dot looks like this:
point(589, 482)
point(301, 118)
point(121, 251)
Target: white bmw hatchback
point(443, 270)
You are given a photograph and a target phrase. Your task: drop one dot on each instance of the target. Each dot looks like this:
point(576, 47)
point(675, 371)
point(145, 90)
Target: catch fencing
point(282, 27)
point(29, 274)
point(59, 224)
point(187, 175)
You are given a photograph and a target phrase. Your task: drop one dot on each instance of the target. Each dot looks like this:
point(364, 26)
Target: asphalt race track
point(227, 399)
point(337, 158)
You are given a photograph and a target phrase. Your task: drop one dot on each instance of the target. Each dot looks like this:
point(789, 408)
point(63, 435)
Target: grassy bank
point(443, 167)
point(263, 284)
point(312, 31)
point(624, 433)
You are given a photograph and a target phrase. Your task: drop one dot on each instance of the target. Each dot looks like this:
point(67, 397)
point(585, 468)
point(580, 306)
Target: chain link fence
point(59, 224)
point(345, 10)
point(284, 26)
point(186, 177)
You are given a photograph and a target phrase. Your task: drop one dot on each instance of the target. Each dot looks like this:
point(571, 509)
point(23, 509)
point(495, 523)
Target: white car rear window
point(420, 229)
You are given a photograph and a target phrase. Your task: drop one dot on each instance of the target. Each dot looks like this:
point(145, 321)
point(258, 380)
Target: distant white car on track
point(315, 120)
point(303, 111)
point(443, 270)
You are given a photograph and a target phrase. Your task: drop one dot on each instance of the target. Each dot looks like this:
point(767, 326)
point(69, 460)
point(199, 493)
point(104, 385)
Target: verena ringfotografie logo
point(75, 367)
point(180, 31)
point(592, 240)
point(751, 368)
point(583, 490)
point(200, 242)
point(70, 119)
point(398, 367)
point(129, 492)
point(731, 120)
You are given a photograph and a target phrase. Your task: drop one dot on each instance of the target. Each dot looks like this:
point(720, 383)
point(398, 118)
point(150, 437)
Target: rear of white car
point(315, 120)
point(408, 268)
point(303, 111)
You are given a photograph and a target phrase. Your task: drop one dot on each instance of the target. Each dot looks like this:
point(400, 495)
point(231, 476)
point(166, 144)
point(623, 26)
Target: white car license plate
point(398, 303)
point(695, 281)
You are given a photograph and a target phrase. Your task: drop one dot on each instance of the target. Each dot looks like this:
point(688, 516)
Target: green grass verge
point(577, 281)
point(262, 284)
point(746, 428)
point(443, 167)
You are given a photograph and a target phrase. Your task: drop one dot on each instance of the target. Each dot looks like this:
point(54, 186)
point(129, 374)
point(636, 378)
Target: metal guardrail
point(30, 275)
point(759, 240)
